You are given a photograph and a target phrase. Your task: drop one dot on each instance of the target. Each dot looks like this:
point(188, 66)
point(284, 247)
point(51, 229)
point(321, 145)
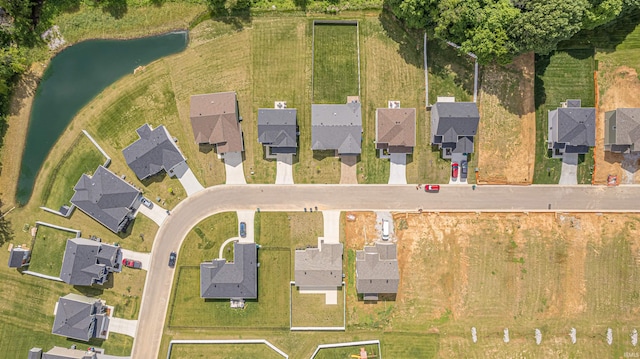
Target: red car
point(431, 187)
point(131, 263)
point(454, 170)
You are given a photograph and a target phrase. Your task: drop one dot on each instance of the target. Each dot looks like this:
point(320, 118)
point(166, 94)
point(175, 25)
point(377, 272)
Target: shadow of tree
point(115, 8)
point(410, 42)
point(6, 230)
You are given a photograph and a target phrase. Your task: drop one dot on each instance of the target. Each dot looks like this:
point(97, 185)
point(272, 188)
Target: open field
point(507, 129)
point(226, 351)
point(48, 251)
point(81, 157)
point(335, 63)
point(562, 75)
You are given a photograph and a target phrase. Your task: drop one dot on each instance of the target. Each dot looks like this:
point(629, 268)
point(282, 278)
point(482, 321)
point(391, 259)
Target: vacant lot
point(227, 351)
point(562, 75)
point(335, 63)
point(48, 250)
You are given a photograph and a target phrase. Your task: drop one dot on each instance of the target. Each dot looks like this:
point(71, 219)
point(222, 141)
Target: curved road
point(456, 198)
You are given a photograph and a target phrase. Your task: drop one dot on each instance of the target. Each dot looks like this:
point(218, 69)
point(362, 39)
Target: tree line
point(498, 30)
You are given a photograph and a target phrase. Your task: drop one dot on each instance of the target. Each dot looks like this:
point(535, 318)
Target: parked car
point(454, 170)
point(172, 259)
point(431, 188)
point(147, 203)
point(463, 170)
point(243, 229)
point(131, 263)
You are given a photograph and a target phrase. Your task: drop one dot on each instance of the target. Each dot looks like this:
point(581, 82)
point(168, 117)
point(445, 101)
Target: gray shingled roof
point(79, 317)
point(18, 257)
point(453, 125)
point(153, 152)
point(396, 129)
point(337, 127)
point(106, 198)
point(87, 262)
point(377, 269)
point(35, 353)
point(66, 353)
point(576, 126)
point(319, 267)
point(214, 120)
point(236, 280)
point(622, 129)
point(278, 129)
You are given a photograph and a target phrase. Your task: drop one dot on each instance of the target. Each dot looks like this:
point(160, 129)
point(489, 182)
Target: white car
point(147, 203)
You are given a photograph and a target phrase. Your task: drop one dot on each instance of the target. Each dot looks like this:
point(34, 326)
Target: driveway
point(381, 216)
point(331, 227)
point(248, 218)
point(348, 170)
point(233, 168)
point(398, 170)
point(457, 158)
point(284, 171)
point(156, 213)
point(123, 326)
point(569, 174)
point(190, 182)
point(144, 258)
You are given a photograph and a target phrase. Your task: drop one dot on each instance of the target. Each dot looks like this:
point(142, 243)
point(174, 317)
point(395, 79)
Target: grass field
point(226, 351)
point(310, 310)
point(335, 63)
point(347, 352)
point(562, 75)
point(48, 250)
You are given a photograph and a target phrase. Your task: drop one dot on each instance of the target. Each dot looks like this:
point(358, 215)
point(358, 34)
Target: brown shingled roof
point(214, 120)
point(396, 129)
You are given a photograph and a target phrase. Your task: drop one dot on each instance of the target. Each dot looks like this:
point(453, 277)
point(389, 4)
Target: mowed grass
point(347, 352)
point(311, 310)
point(335, 63)
point(48, 251)
point(81, 157)
point(562, 75)
point(227, 351)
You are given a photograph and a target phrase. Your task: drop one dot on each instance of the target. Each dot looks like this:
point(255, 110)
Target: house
point(571, 129)
point(396, 129)
point(237, 280)
point(215, 121)
point(153, 152)
point(377, 271)
point(19, 257)
point(79, 317)
point(622, 130)
point(454, 126)
point(62, 353)
point(277, 130)
point(106, 198)
point(319, 268)
point(87, 262)
point(337, 127)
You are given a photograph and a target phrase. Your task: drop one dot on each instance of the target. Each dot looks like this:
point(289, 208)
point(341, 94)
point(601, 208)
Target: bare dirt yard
point(507, 130)
point(619, 88)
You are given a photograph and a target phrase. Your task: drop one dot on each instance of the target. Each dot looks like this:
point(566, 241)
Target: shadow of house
point(337, 127)
point(571, 129)
point(377, 272)
point(80, 318)
point(87, 262)
point(277, 130)
point(622, 130)
point(106, 198)
point(454, 126)
point(215, 121)
point(319, 268)
point(154, 152)
point(396, 129)
point(237, 280)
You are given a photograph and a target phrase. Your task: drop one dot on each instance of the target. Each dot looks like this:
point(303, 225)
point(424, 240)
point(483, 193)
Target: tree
point(6, 231)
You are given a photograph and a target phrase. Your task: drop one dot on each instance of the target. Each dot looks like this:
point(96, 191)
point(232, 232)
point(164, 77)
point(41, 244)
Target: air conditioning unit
point(394, 104)
point(280, 104)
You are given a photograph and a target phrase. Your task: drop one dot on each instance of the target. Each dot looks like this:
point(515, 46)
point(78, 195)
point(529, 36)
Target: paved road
point(348, 197)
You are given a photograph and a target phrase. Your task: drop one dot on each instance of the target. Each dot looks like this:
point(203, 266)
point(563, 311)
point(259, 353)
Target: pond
point(74, 77)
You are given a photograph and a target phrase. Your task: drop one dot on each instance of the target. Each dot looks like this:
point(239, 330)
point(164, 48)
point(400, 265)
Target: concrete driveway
point(144, 258)
point(248, 218)
point(284, 170)
point(381, 216)
point(348, 171)
point(458, 158)
point(155, 213)
point(233, 168)
point(398, 170)
point(123, 326)
point(190, 182)
point(569, 174)
point(331, 227)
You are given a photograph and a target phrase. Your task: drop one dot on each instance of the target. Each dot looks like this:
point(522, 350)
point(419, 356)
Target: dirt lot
point(619, 88)
point(507, 130)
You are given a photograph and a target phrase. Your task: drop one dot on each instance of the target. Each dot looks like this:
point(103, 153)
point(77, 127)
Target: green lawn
point(81, 157)
point(562, 75)
point(310, 310)
point(347, 352)
point(226, 351)
point(335, 63)
point(48, 251)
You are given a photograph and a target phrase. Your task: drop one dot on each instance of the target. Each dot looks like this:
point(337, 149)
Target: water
point(73, 78)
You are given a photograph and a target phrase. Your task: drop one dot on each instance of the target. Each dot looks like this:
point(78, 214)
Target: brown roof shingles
point(214, 120)
point(396, 129)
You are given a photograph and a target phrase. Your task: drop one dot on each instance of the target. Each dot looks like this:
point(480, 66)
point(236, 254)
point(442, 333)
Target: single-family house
point(87, 262)
point(319, 268)
point(337, 127)
point(79, 317)
point(377, 271)
point(237, 280)
point(106, 198)
point(153, 152)
point(454, 126)
point(215, 121)
point(396, 129)
point(622, 130)
point(571, 129)
point(278, 130)
point(62, 353)
point(19, 257)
